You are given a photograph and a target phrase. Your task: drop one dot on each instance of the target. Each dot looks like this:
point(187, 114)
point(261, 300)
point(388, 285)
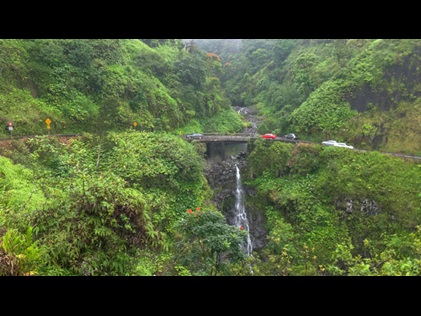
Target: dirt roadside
point(6, 143)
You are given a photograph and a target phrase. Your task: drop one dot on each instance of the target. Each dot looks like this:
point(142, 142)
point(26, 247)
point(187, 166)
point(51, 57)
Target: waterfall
point(241, 216)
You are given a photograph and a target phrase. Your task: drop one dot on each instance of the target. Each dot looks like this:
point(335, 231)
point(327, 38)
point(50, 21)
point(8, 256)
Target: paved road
point(246, 137)
point(207, 138)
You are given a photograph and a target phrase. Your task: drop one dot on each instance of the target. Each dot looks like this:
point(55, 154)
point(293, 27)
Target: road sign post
point(48, 121)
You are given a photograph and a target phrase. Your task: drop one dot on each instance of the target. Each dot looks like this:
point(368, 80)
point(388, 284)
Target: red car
point(268, 135)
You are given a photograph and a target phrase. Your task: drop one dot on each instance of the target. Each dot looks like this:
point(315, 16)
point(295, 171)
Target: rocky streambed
point(250, 116)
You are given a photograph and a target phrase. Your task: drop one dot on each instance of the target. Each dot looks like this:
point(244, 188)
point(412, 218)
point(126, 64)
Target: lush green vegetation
point(334, 211)
point(102, 85)
point(364, 92)
point(129, 196)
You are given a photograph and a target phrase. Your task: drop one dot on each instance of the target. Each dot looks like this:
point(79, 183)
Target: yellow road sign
point(48, 121)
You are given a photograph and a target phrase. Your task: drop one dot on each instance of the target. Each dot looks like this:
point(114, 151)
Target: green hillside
point(129, 196)
point(101, 85)
point(364, 92)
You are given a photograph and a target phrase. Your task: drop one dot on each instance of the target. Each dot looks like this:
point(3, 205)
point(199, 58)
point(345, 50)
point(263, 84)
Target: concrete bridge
point(233, 138)
point(218, 146)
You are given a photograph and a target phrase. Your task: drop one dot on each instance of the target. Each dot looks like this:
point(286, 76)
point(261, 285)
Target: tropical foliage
point(358, 90)
point(127, 194)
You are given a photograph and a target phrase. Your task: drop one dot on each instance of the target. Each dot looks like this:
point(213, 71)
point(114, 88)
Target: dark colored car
point(290, 136)
point(195, 135)
point(268, 136)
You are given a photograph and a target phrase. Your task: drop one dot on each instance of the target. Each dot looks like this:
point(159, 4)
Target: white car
point(344, 145)
point(336, 144)
point(330, 142)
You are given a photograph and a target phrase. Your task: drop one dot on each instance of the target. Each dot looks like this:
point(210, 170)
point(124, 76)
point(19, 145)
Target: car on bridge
point(291, 136)
point(268, 136)
point(195, 135)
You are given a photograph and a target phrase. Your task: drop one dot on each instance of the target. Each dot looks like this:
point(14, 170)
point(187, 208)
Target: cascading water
point(241, 216)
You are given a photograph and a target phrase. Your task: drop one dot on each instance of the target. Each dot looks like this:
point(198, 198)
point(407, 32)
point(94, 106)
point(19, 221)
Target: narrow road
point(248, 113)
